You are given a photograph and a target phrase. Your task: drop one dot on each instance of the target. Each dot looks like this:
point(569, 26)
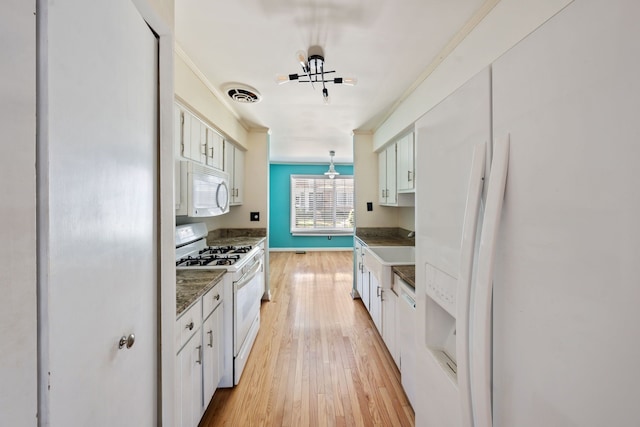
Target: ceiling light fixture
point(331, 173)
point(313, 72)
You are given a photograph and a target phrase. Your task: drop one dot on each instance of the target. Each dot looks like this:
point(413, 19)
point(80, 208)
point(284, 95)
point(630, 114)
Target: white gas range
point(243, 284)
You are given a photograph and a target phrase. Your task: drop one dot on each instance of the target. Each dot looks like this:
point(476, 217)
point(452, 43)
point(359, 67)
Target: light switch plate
point(254, 216)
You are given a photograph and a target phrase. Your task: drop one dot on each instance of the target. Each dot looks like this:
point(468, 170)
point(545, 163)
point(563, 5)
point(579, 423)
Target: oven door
point(247, 293)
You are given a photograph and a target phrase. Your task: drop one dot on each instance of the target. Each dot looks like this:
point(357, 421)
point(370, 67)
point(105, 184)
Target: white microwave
point(204, 191)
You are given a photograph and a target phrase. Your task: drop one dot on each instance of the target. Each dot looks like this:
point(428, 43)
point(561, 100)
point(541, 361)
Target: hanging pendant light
point(332, 173)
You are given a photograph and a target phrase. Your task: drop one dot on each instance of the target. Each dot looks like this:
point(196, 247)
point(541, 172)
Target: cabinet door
point(365, 287)
point(382, 177)
point(213, 356)
point(357, 273)
point(405, 163)
point(197, 139)
point(389, 335)
point(375, 301)
point(214, 156)
point(238, 176)
point(178, 147)
point(392, 189)
point(190, 381)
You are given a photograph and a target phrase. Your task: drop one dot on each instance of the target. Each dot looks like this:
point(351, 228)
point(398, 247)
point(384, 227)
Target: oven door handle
point(250, 274)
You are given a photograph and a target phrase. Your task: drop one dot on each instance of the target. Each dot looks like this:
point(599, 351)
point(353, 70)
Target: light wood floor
point(318, 359)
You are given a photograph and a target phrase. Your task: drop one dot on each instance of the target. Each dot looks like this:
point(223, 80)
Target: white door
point(101, 95)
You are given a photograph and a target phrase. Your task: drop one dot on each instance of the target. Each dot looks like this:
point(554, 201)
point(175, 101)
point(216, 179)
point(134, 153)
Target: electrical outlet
point(255, 216)
point(369, 206)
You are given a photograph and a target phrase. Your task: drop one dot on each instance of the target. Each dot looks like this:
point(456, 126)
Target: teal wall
point(280, 208)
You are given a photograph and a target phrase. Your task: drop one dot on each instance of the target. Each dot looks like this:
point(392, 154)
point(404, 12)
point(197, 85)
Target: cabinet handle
point(378, 293)
point(211, 150)
point(409, 176)
point(199, 361)
point(204, 149)
point(210, 338)
point(190, 326)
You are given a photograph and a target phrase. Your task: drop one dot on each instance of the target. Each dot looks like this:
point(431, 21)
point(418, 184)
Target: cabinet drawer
point(212, 299)
point(188, 324)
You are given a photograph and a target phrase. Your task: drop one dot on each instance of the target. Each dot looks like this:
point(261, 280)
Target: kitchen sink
point(394, 255)
point(379, 260)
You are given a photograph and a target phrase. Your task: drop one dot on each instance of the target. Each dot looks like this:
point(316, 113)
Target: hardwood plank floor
point(318, 359)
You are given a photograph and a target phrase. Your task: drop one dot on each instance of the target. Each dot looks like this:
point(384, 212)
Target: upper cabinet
point(405, 164)
point(234, 166)
point(387, 176)
point(396, 173)
point(214, 154)
point(197, 141)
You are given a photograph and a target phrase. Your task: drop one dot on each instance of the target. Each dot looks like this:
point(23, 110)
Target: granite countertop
point(406, 273)
point(191, 284)
point(237, 237)
point(385, 236)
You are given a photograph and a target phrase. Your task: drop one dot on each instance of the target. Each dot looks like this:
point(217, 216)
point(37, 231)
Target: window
point(321, 206)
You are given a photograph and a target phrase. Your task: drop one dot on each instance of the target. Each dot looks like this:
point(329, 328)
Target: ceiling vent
point(242, 93)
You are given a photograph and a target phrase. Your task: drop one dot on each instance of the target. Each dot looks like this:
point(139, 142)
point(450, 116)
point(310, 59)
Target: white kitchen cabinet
point(375, 301)
point(194, 138)
point(357, 256)
point(389, 322)
point(189, 397)
point(212, 342)
point(366, 287)
point(387, 187)
point(214, 154)
point(200, 355)
point(213, 355)
point(405, 163)
point(234, 166)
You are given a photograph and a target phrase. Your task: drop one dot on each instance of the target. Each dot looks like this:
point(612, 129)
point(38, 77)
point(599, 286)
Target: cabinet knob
point(126, 341)
point(190, 326)
point(217, 297)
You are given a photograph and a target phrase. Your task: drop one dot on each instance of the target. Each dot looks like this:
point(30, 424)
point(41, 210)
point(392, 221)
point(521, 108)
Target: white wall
point(18, 320)
point(407, 218)
point(508, 23)
point(365, 171)
point(192, 91)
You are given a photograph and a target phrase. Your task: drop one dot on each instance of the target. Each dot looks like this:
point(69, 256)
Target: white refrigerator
point(528, 232)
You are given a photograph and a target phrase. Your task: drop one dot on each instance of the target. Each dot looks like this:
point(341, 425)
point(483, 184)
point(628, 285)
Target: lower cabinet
point(213, 357)
point(375, 301)
point(199, 361)
point(389, 322)
point(190, 382)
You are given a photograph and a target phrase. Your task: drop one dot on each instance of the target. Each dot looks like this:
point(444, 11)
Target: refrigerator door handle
point(481, 314)
point(469, 228)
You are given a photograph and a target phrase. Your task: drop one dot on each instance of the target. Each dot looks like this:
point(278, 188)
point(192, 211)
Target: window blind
point(321, 206)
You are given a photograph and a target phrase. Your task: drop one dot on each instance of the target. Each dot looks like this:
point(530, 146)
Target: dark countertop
point(384, 236)
point(237, 237)
point(191, 284)
point(406, 273)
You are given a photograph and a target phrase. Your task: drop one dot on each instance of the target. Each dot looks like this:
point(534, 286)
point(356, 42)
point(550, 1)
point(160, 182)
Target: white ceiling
point(386, 44)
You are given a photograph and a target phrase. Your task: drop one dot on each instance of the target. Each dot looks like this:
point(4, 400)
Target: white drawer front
point(188, 324)
point(212, 299)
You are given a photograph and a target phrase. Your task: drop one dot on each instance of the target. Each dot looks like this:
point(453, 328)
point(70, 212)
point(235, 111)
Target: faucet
point(411, 234)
